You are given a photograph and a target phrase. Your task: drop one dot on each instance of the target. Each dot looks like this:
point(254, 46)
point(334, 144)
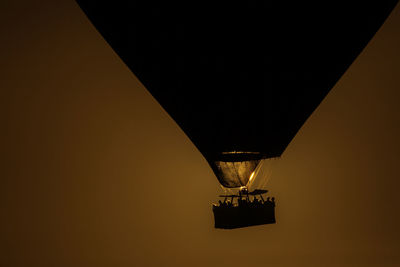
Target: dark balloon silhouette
point(240, 79)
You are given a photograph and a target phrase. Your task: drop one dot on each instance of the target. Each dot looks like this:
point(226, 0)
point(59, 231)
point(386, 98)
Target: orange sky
point(95, 173)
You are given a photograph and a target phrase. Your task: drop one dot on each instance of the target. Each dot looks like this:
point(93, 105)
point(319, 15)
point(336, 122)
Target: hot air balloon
point(240, 79)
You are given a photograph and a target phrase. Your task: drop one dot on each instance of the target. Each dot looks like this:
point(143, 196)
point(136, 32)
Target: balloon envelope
point(241, 78)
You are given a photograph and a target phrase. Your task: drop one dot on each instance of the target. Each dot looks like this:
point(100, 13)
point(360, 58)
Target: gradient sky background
point(95, 173)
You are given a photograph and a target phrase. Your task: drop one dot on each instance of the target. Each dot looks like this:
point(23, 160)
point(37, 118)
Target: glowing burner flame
point(251, 177)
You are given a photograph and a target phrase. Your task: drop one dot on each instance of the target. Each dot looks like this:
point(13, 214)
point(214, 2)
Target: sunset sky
point(96, 173)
